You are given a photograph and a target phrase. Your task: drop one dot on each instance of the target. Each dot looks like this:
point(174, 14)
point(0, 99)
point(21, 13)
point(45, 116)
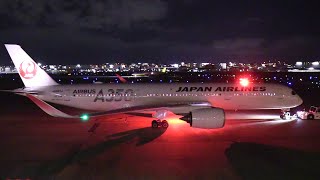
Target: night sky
point(96, 31)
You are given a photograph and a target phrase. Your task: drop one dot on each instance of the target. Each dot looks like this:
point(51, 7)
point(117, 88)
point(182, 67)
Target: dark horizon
point(160, 31)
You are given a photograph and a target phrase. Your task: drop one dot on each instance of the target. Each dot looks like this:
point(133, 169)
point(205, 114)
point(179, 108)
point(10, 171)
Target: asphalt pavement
point(37, 146)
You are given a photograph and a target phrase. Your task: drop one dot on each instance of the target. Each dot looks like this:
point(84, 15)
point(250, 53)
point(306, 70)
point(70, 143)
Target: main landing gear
point(159, 123)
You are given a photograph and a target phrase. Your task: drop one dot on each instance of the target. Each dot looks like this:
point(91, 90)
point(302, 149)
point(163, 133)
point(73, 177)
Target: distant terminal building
point(306, 66)
point(7, 69)
point(223, 66)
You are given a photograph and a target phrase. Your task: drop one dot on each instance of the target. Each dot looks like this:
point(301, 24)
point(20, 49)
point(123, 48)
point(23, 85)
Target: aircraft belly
point(245, 102)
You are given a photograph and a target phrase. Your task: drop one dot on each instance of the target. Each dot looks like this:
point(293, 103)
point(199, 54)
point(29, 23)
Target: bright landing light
point(244, 81)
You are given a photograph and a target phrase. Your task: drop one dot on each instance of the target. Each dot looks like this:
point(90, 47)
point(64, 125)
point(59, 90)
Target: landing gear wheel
point(310, 117)
point(165, 124)
point(154, 124)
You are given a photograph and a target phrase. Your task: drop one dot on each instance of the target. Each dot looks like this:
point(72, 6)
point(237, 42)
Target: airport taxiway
point(36, 146)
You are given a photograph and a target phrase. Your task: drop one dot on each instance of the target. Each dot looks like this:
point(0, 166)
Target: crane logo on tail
point(28, 69)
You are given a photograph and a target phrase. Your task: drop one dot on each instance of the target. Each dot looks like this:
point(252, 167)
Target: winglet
point(48, 108)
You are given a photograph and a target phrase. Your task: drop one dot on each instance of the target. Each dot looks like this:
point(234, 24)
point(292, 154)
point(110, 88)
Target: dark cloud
point(240, 46)
point(296, 46)
point(68, 31)
point(94, 14)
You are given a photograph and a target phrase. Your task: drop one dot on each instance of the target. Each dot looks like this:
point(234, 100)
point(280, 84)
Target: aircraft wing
point(48, 108)
point(141, 114)
point(137, 110)
point(146, 111)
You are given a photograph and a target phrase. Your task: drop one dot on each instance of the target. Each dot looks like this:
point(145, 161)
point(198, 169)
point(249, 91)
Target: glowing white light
point(315, 63)
point(244, 81)
point(299, 63)
point(175, 65)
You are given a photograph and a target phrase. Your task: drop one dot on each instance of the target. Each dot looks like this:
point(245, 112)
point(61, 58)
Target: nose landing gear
point(285, 114)
point(159, 123)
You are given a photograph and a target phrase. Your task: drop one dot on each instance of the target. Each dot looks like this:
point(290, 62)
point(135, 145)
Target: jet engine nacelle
point(207, 118)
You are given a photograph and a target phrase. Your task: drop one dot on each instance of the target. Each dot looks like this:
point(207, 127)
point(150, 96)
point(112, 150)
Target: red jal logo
point(28, 69)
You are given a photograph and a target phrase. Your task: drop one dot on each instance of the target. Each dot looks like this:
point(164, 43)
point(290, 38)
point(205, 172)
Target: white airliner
point(202, 105)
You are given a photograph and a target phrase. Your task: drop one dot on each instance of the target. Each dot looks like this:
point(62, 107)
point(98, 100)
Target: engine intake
point(207, 118)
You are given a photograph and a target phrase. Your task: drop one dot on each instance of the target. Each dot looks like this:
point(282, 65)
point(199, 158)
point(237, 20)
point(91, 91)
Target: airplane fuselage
point(104, 97)
point(200, 104)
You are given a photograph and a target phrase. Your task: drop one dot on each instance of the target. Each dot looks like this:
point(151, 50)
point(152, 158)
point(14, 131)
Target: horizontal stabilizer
point(10, 91)
point(20, 92)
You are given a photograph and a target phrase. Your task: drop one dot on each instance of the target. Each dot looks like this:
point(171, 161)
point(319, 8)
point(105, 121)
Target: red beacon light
point(244, 82)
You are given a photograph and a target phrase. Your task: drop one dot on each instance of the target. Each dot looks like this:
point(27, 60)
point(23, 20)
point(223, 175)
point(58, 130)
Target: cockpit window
point(313, 109)
point(293, 93)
